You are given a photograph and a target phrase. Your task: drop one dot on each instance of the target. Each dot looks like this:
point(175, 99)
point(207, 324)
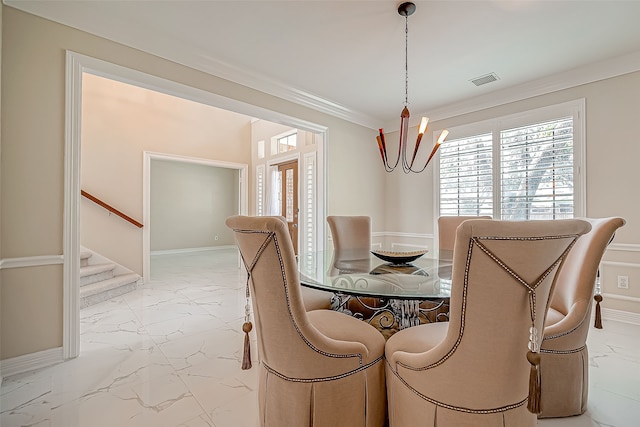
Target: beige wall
point(189, 204)
point(32, 173)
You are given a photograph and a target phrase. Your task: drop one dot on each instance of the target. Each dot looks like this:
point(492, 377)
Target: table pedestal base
point(392, 315)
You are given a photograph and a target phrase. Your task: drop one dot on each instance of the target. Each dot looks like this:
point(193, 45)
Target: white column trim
point(71, 227)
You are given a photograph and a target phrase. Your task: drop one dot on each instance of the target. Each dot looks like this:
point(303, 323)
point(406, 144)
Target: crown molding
point(259, 82)
point(578, 76)
point(594, 72)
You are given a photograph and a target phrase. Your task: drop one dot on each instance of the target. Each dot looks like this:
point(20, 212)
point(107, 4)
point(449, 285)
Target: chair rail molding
point(626, 247)
point(31, 261)
point(402, 234)
point(619, 315)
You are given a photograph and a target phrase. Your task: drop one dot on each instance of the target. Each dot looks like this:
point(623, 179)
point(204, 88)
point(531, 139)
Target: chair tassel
point(533, 404)
point(246, 354)
point(598, 323)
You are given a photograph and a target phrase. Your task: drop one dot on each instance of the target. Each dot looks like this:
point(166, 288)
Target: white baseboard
point(620, 316)
point(189, 250)
point(30, 362)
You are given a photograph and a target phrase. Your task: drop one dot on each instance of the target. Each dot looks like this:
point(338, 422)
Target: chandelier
point(406, 9)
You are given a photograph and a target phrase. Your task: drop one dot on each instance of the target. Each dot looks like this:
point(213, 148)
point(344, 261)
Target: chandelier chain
point(406, 60)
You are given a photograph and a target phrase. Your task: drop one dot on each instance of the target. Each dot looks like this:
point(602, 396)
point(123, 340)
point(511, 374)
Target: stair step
point(106, 289)
point(84, 258)
point(96, 273)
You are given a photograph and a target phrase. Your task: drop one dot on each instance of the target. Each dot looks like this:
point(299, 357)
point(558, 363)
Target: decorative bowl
point(399, 258)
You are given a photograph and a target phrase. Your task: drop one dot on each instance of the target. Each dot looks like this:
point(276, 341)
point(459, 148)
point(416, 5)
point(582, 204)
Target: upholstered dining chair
point(564, 358)
point(351, 237)
point(319, 368)
point(474, 370)
point(447, 226)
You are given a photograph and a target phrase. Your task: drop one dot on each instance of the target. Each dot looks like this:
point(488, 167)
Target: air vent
point(483, 80)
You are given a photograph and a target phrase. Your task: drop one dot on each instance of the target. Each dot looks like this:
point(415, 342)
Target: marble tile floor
point(168, 354)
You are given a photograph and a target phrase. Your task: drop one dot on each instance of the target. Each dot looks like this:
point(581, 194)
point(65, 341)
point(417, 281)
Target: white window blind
point(520, 167)
point(260, 190)
point(309, 202)
point(536, 171)
point(466, 181)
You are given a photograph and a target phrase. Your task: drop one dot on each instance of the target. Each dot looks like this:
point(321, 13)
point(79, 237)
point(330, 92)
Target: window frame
point(575, 109)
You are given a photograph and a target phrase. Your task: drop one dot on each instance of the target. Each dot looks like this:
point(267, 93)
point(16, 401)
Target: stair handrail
point(111, 209)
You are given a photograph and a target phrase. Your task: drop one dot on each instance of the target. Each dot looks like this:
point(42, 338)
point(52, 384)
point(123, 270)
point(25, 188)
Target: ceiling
point(347, 57)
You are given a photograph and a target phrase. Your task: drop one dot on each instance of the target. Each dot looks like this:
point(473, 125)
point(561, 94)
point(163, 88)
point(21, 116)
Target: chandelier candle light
point(406, 9)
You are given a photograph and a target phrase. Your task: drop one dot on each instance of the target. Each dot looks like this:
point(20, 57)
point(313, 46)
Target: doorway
point(200, 203)
point(77, 65)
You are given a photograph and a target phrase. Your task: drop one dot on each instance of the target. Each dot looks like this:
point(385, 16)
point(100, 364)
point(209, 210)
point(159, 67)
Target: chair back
point(447, 226)
point(287, 342)
point(503, 274)
point(576, 282)
point(351, 236)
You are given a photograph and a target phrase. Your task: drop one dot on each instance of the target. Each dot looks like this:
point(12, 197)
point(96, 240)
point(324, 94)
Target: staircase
point(99, 283)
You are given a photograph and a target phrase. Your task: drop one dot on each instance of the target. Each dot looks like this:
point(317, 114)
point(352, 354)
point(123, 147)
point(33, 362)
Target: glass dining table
point(390, 296)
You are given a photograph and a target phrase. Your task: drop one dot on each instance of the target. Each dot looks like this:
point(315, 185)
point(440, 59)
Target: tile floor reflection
point(169, 354)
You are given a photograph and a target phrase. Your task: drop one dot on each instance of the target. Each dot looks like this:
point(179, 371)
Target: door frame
point(76, 65)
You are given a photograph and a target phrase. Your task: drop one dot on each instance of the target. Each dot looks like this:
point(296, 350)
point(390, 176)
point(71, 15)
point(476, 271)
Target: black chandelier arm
point(407, 166)
point(382, 145)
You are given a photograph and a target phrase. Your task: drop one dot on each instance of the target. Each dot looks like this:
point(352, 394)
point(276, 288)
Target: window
point(466, 176)
point(520, 167)
point(287, 143)
point(261, 151)
point(284, 142)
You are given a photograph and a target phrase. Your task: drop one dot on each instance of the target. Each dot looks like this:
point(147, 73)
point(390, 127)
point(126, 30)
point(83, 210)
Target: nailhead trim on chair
point(476, 241)
point(577, 350)
point(315, 380)
point(550, 337)
point(460, 408)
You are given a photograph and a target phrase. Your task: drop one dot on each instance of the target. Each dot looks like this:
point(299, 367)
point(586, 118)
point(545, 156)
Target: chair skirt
point(405, 407)
point(564, 383)
point(355, 400)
